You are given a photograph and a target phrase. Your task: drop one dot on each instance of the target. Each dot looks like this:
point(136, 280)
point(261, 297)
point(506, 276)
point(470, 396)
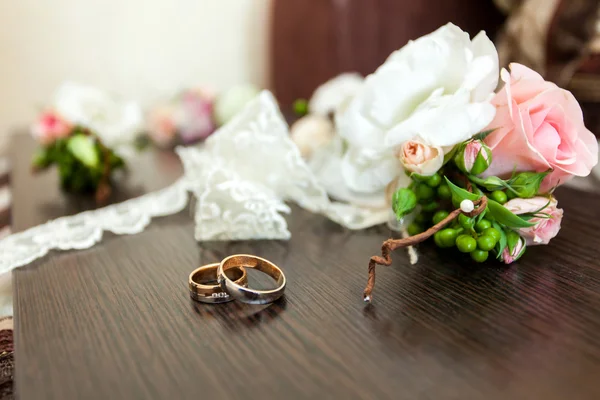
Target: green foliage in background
point(81, 160)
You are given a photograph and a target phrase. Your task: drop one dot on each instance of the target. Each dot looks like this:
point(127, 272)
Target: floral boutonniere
point(492, 194)
point(427, 137)
point(86, 133)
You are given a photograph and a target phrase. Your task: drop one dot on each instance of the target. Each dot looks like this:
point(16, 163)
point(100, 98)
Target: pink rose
point(468, 160)
point(420, 158)
point(197, 113)
point(162, 125)
point(49, 127)
point(546, 226)
point(509, 257)
point(471, 151)
point(539, 126)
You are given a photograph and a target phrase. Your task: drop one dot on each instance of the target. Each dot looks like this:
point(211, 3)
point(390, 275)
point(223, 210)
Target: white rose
point(311, 132)
point(435, 90)
point(116, 122)
point(334, 94)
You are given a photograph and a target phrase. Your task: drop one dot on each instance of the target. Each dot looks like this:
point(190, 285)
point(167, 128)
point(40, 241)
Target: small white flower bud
point(467, 206)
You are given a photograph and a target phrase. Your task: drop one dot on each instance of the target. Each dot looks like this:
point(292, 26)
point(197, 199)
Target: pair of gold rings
point(232, 281)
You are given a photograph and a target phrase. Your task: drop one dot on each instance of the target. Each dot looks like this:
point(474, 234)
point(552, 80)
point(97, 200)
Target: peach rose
point(50, 127)
point(420, 158)
point(163, 125)
point(539, 126)
point(545, 228)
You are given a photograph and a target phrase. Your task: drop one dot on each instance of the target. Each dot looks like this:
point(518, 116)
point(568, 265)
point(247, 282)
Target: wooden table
point(116, 322)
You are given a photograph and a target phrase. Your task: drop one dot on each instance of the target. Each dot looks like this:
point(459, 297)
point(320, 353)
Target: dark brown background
point(116, 322)
point(315, 40)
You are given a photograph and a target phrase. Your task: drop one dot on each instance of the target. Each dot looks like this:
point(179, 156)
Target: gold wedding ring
point(245, 294)
point(204, 285)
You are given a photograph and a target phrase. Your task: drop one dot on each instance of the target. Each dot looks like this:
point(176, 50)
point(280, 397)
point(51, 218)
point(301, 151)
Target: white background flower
point(116, 122)
point(334, 94)
point(435, 90)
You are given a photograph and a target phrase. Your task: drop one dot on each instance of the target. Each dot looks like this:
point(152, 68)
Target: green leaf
point(84, 149)
point(430, 207)
point(481, 163)
point(483, 135)
point(512, 240)
point(504, 217)
point(42, 158)
point(527, 184)
point(482, 215)
point(490, 183)
point(460, 194)
point(404, 202)
point(449, 155)
point(502, 243)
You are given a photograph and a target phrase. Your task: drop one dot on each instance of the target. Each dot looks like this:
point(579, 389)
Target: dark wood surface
point(116, 322)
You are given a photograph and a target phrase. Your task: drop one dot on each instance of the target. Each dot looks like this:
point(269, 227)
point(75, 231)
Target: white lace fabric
point(241, 177)
point(84, 230)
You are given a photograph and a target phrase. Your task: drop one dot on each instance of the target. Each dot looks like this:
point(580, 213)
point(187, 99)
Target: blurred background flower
point(116, 122)
point(185, 119)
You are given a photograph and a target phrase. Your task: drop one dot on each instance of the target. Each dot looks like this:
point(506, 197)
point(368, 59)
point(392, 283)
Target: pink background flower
point(197, 113)
point(187, 119)
point(162, 125)
point(545, 228)
point(539, 126)
point(49, 127)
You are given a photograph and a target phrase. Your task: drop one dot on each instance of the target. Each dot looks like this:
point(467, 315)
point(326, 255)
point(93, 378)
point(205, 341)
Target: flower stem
point(392, 244)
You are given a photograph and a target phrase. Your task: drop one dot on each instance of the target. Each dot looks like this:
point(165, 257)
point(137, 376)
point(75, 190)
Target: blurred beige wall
point(142, 49)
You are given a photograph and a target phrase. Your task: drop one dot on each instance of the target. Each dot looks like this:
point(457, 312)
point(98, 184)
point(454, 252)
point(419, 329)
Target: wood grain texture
point(315, 40)
point(116, 322)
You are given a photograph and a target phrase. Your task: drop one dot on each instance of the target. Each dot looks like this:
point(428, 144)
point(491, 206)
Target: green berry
point(444, 192)
point(422, 218)
point(434, 181)
point(493, 232)
point(419, 178)
point(437, 238)
point(486, 243)
point(510, 195)
point(465, 222)
point(414, 229)
point(424, 193)
point(499, 196)
point(447, 237)
point(301, 107)
point(430, 207)
point(479, 255)
point(439, 216)
point(466, 243)
point(482, 225)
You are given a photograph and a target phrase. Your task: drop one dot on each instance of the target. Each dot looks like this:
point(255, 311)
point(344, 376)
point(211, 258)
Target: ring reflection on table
point(245, 294)
point(204, 286)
